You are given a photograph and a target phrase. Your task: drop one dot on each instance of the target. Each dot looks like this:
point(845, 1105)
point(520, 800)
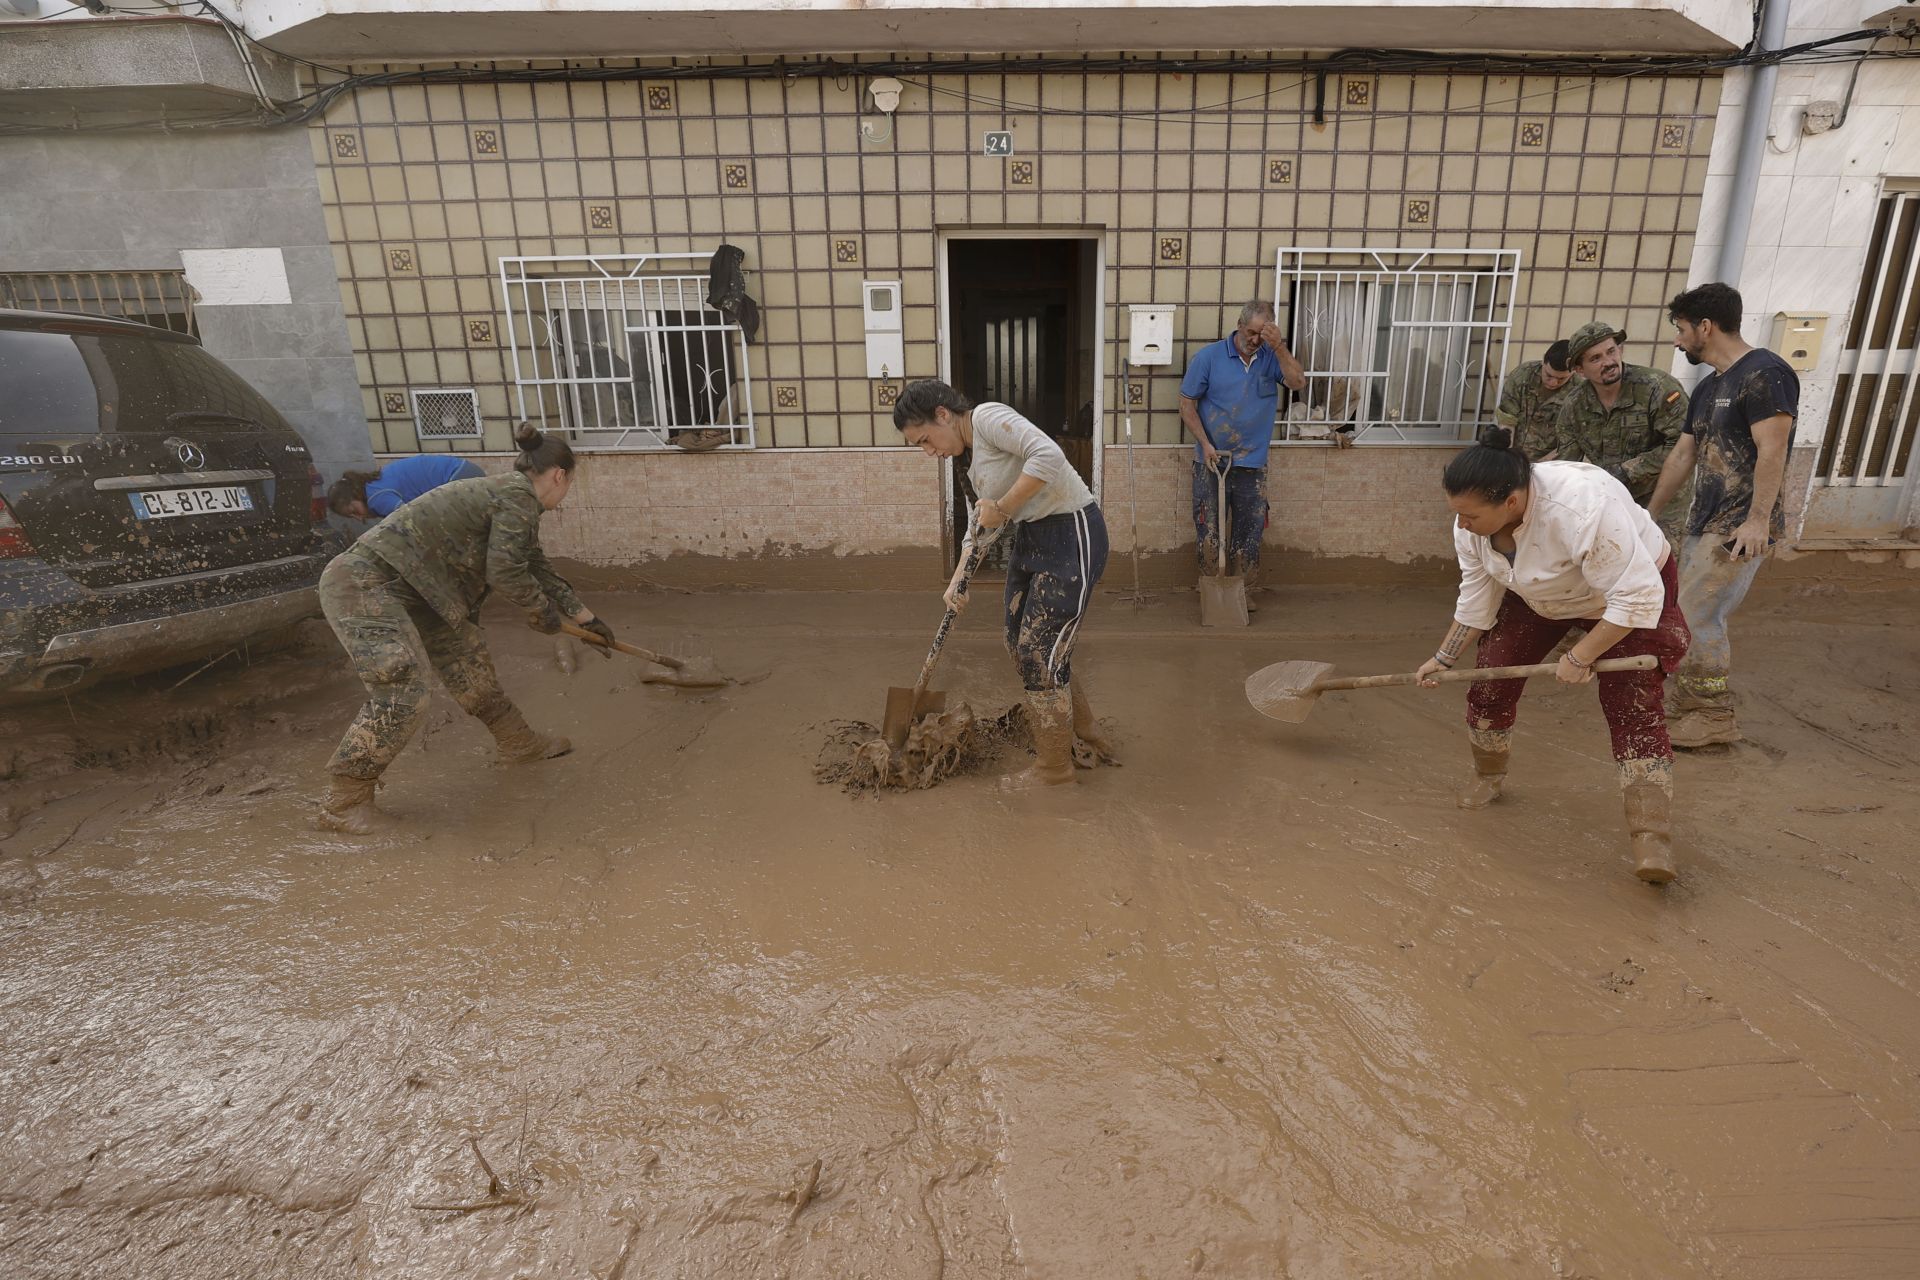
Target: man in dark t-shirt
point(1734, 446)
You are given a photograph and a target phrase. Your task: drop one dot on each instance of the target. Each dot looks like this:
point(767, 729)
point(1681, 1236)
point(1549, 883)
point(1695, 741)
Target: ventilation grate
point(447, 413)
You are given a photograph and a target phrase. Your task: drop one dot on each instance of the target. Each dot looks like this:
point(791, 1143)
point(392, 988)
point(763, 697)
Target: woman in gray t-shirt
point(1058, 552)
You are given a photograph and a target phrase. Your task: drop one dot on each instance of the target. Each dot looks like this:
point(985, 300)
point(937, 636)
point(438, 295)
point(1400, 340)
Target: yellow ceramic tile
point(1349, 212)
point(1426, 132)
point(1529, 173)
point(1456, 173)
point(1668, 176)
point(807, 174)
point(476, 293)
point(359, 222)
point(1557, 213)
point(1384, 212)
point(1523, 210)
point(702, 175)
point(470, 258)
point(1453, 211)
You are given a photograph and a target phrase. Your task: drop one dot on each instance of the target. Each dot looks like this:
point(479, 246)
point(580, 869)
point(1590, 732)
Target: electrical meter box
point(1150, 335)
point(880, 312)
point(1797, 336)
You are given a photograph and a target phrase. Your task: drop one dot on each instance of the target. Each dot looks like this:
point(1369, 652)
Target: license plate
point(164, 504)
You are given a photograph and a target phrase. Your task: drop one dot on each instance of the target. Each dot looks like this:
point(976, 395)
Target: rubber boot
point(1649, 824)
point(1087, 729)
point(518, 744)
point(349, 806)
point(1703, 727)
point(1051, 713)
point(1491, 750)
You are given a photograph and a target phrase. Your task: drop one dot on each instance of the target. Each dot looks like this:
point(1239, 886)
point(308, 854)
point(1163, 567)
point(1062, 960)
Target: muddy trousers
point(1712, 585)
point(1632, 700)
point(378, 618)
point(1246, 518)
point(1052, 568)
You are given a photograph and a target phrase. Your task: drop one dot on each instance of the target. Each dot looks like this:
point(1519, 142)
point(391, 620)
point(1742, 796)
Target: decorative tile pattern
point(479, 333)
point(400, 260)
point(1192, 211)
point(394, 403)
point(885, 394)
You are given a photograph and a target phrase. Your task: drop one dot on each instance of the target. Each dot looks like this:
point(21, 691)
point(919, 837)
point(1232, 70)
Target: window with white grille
point(623, 352)
point(1399, 345)
point(1871, 427)
point(446, 413)
point(161, 298)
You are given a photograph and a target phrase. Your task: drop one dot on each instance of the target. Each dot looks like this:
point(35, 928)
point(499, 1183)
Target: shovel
point(683, 673)
point(904, 706)
point(1223, 600)
point(1288, 690)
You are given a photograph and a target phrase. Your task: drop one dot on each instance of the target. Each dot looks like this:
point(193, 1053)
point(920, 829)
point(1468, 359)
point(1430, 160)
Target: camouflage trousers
point(385, 628)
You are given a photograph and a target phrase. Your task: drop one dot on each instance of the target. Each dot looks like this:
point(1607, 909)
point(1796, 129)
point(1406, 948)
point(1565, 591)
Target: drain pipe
point(1753, 143)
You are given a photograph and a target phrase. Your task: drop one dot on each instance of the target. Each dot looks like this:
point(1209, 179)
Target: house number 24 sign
point(999, 144)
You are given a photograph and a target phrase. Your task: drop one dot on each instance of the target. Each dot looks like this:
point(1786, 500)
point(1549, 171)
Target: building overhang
point(391, 31)
point(89, 71)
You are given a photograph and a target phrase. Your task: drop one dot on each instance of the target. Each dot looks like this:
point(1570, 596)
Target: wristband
point(1445, 660)
point(1584, 666)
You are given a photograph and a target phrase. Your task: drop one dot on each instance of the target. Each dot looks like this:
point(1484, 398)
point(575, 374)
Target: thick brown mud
point(1262, 1003)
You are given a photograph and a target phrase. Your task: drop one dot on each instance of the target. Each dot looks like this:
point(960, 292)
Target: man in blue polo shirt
point(1228, 402)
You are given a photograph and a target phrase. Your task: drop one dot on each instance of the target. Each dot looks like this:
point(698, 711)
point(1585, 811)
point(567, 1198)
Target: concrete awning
point(393, 31)
point(96, 68)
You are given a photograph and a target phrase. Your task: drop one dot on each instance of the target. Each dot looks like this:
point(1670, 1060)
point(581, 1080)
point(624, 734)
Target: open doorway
point(1023, 328)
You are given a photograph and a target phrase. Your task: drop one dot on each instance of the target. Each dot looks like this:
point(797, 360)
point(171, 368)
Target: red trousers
point(1634, 701)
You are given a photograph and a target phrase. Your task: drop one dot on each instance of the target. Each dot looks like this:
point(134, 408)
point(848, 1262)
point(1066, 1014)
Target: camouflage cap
point(1591, 335)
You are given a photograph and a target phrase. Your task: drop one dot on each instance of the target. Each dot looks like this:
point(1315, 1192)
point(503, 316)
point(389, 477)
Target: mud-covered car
point(154, 508)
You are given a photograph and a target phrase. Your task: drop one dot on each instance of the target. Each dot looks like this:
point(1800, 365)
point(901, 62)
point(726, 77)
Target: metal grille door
point(1401, 344)
point(1864, 481)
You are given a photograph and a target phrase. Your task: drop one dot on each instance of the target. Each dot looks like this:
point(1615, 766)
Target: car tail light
point(317, 509)
point(13, 539)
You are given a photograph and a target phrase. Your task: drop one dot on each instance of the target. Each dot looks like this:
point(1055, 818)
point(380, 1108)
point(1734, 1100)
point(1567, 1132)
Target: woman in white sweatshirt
point(1556, 547)
point(1059, 550)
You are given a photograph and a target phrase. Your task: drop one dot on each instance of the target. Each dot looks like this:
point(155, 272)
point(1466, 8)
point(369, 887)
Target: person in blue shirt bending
point(375, 495)
point(1228, 403)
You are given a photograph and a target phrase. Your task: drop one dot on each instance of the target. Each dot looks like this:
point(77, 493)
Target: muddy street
point(1260, 1002)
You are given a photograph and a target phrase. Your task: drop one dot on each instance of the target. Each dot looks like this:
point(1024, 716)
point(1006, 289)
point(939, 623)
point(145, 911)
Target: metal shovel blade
point(903, 710)
point(1223, 601)
point(1285, 690)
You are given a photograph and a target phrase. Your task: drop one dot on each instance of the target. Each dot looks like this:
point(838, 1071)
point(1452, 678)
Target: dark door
point(1022, 328)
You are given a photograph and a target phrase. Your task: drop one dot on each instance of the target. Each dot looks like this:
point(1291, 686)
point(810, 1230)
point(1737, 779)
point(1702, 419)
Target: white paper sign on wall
point(237, 277)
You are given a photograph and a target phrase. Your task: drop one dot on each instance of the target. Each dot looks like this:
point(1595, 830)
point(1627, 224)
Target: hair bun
point(527, 437)
point(1497, 438)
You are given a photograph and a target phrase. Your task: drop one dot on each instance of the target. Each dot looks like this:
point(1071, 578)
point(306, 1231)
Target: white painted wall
point(1814, 211)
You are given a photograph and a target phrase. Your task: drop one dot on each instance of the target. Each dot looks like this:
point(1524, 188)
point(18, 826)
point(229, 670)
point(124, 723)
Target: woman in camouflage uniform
point(420, 575)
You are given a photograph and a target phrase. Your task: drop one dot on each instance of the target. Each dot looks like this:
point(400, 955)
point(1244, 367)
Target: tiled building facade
point(1188, 184)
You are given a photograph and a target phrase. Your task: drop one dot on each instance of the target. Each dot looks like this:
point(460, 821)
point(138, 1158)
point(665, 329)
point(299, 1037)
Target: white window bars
point(623, 352)
point(1869, 441)
point(1400, 345)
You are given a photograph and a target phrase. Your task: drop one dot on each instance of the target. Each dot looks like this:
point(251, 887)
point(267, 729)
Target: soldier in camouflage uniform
point(1623, 418)
point(1531, 399)
point(420, 575)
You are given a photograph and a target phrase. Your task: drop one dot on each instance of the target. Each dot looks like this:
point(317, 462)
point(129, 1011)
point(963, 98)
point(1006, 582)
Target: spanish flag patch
point(1672, 396)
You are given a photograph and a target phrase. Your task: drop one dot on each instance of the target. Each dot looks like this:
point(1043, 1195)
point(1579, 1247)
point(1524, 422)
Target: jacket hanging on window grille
point(727, 290)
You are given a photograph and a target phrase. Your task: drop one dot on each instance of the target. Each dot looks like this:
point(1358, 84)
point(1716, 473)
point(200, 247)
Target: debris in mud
point(944, 745)
point(857, 759)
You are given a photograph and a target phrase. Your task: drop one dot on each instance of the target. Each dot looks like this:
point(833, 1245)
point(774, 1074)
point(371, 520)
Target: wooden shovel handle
point(980, 539)
point(581, 633)
point(1644, 662)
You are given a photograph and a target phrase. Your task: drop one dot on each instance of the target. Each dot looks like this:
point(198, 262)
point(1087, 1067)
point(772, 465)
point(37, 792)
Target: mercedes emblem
point(190, 456)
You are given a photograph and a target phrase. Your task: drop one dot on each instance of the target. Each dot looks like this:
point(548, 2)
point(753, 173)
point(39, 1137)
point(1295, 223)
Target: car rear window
point(63, 384)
